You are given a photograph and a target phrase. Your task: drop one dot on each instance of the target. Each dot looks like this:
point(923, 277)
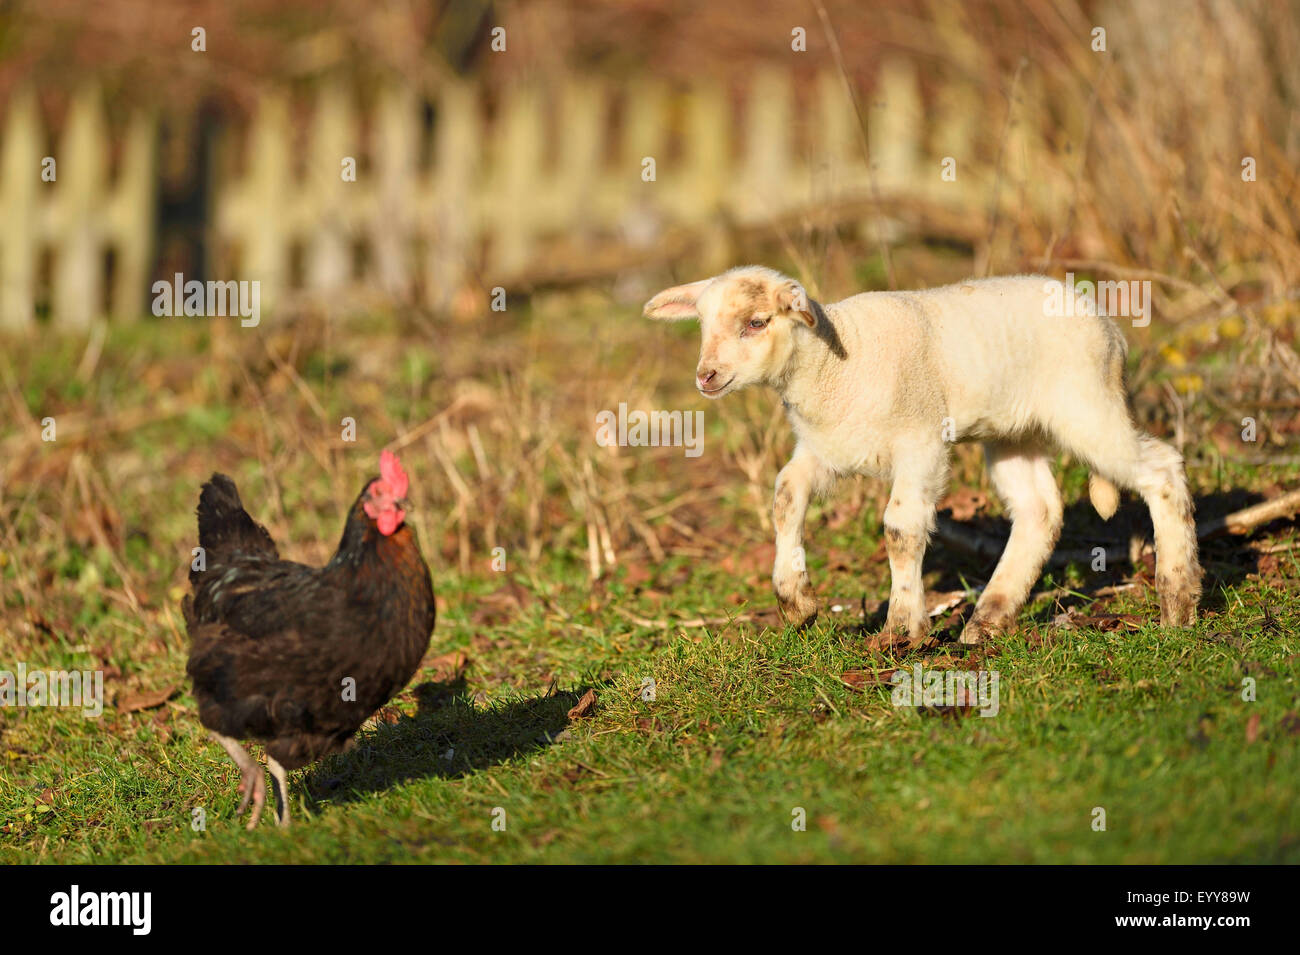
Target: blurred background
point(508, 145)
point(562, 160)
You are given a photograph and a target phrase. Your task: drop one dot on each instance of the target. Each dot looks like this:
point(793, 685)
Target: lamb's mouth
point(716, 391)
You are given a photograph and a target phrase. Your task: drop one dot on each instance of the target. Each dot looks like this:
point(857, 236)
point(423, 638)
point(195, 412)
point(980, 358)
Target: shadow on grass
point(1227, 561)
point(449, 737)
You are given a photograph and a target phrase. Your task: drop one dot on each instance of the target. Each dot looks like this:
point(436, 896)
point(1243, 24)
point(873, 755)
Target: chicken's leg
point(253, 779)
point(280, 776)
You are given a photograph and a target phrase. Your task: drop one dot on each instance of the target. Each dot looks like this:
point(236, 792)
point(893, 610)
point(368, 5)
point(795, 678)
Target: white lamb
point(884, 382)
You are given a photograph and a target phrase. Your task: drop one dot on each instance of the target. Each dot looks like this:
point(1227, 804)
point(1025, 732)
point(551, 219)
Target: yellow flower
point(1232, 327)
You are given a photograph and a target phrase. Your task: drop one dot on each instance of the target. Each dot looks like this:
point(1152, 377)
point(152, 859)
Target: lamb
point(883, 383)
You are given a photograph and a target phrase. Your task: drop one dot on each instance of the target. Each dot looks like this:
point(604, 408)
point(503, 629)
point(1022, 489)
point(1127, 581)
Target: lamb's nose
point(705, 375)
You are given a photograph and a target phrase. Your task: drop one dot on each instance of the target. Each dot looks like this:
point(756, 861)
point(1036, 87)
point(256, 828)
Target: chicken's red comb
point(390, 471)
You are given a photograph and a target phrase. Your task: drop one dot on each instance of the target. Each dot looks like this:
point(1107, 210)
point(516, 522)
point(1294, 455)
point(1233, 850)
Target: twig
point(1240, 522)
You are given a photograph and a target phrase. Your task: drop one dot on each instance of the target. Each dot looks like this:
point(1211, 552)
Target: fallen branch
point(1247, 519)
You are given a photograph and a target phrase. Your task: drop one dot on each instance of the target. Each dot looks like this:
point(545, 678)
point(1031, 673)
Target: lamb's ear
point(791, 297)
point(676, 303)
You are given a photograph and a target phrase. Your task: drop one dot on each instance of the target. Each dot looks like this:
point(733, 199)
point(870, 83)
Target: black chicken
point(298, 657)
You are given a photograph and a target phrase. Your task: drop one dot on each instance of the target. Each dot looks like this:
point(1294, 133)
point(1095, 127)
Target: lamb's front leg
point(794, 486)
point(909, 519)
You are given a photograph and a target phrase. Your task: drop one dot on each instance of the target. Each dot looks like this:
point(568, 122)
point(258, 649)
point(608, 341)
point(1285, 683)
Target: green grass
point(747, 726)
point(751, 721)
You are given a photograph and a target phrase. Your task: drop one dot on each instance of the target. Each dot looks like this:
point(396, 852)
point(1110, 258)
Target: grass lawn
point(612, 559)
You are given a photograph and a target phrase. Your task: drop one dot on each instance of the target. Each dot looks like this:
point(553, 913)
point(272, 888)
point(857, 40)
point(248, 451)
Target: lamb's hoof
point(800, 622)
point(799, 611)
point(977, 632)
point(1178, 608)
point(905, 625)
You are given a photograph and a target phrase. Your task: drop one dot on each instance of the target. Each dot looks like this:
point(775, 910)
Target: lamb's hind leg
point(1023, 480)
point(1163, 485)
point(1117, 451)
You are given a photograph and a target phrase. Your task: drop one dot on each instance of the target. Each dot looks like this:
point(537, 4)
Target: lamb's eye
point(758, 323)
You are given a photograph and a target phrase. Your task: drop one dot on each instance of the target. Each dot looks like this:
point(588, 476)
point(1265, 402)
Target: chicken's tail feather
point(224, 525)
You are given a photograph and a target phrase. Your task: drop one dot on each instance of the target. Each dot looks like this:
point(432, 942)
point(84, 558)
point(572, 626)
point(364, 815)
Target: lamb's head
point(749, 318)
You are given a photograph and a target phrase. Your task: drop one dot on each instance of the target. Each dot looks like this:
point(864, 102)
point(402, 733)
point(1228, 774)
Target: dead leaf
point(940, 603)
point(1110, 622)
point(584, 706)
point(1040, 638)
point(135, 702)
point(887, 640)
point(861, 679)
point(448, 666)
point(1252, 728)
point(965, 503)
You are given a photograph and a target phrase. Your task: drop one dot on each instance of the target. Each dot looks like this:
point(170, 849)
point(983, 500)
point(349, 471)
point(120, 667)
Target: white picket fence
point(76, 218)
point(538, 187)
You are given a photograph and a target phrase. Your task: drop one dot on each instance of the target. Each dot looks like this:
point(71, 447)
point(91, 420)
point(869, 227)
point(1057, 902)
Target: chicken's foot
point(253, 778)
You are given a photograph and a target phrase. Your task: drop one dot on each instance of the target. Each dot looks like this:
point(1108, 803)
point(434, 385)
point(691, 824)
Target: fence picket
point(491, 200)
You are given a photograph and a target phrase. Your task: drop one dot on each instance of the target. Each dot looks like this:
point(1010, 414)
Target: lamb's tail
point(1104, 496)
